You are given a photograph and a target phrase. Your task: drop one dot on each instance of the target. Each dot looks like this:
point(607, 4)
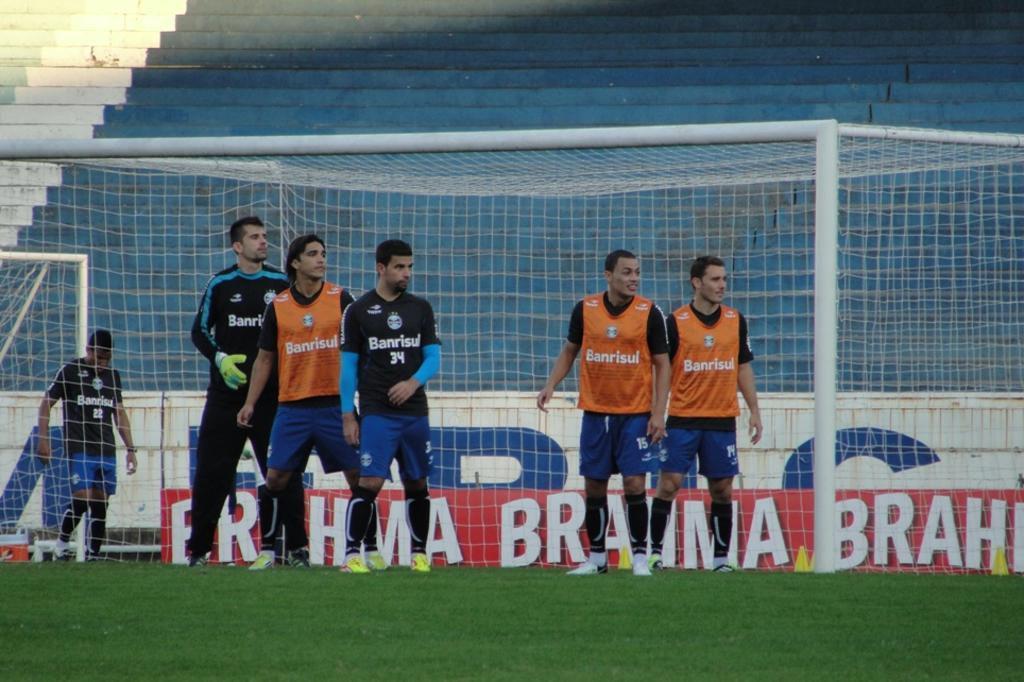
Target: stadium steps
point(955, 91)
point(253, 33)
point(460, 57)
point(292, 120)
point(836, 93)
point(62, 62)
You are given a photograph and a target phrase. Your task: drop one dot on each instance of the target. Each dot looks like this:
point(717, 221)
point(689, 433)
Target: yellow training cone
point(625, 558)
point(804, 562)
point(999, 566)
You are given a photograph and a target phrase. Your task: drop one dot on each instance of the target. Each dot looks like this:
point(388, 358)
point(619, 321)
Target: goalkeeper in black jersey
point(226, 331)
point(91, 392)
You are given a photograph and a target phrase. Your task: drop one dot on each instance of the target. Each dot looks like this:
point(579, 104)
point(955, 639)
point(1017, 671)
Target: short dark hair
point(392, 247)
point(295, 250)
point(101, 339)
point(237, 229)
point(612, 259)
point(700, 265)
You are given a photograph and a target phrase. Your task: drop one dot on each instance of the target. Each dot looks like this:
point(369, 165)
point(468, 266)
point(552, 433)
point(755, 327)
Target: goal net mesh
point(929, 360)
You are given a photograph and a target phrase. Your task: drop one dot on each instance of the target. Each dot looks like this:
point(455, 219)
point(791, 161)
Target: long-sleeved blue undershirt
point(347, 385)
point(431, 363)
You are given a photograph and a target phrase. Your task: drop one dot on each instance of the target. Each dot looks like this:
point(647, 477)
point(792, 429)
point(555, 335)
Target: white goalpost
point(879, 270)
point(35, 279)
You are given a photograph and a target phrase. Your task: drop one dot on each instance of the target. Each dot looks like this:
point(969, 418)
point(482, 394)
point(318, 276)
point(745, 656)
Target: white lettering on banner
point(511, 534)
point(547, 530)
point(395, 545)
point(697, 536)
point(616, 358)
point(714, 365)
point(99, 401)
point(940, 534)
point(765, 536)
point(319, 531)
point(396, 534)
point(894, 519)
point(401, 341)
point(853, 534)
point(310, 346)
point(232, 533)
point(564, 529)
point(617, 536)
point(994, 534)
point(893, 528)
point(243, 321)
point(180, 531)
point(1018, 537)
point(668, 547)
point(447, 542)
point(528, 534)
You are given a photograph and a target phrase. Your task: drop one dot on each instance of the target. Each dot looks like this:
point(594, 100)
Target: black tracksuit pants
point(220, 445)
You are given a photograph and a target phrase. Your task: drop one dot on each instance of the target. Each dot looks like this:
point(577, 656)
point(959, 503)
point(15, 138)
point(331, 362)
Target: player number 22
point(398, 357)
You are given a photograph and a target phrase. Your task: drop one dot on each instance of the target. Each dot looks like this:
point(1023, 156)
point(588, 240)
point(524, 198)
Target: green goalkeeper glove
point(233, 376)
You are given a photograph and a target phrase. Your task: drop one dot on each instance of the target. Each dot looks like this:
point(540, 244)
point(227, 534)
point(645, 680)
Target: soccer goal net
point(880, 273)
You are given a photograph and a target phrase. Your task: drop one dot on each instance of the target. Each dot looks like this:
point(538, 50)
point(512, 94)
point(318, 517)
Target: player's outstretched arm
point(748, 387)
point(563, 364)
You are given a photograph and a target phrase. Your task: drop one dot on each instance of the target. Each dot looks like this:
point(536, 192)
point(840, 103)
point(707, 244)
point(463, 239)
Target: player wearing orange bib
point(624, 374)
point(301, 335)
point(710, 358)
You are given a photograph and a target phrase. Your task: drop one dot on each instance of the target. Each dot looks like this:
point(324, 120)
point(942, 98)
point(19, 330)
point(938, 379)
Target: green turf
point(142, 621)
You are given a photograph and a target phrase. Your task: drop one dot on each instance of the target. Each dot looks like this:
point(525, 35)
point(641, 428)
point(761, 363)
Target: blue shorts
point(614, 443)
point(93, 471)
point(298, 429)
point(715, 450)
point(383, 438)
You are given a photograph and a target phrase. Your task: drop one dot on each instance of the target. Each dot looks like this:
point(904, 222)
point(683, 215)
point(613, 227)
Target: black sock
point(636, 521)
point(660, 509)
point(270, 514)
point(721, 527)
point(97, 525)
point(292, 516)
point(370, 539)
point(417, 509)
point(596, 520)
point(360, 507)
point(72, 515)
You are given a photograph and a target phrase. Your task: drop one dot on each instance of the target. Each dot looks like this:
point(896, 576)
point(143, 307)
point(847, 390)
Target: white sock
point(60, 546)
point(719, 561)
point(270, 553)
point(599, 559)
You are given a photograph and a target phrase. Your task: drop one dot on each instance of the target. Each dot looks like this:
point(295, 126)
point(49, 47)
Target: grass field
point(146, 621)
